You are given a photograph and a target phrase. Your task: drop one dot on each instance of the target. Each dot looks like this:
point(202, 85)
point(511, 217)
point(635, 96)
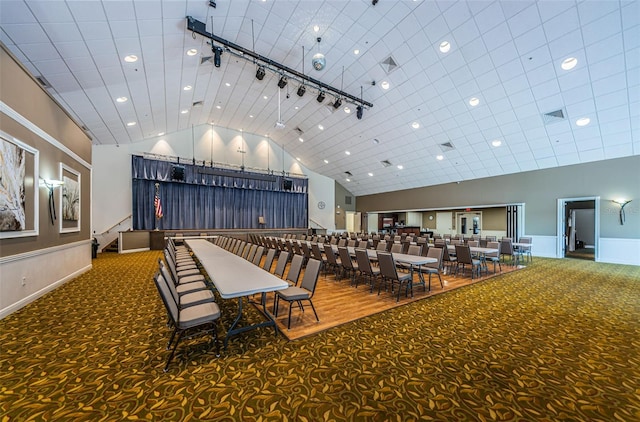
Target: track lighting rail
point(199, 27)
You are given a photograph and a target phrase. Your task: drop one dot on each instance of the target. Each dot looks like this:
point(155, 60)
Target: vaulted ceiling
point(508, 55)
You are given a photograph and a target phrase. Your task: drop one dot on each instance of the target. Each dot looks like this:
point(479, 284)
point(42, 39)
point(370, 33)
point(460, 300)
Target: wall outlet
point(24, 281)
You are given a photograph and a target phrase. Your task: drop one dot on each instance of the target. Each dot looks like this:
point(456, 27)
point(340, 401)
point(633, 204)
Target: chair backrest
point(165, 277)
point(414, 250)
point(524, 240)
point(296, 248)
point(491, 238)
point(435, 253)
point(363, 244)
point(382, 246)
point(493, 245)
point(387, 265)
point(506, 248)
point(473, 243)
point(282, 263)
point(316, 253)
point(463, 254)
point(333, 240)
point(396, 248)
point(289, 245)
point(310, 277)
point(246, 250)
point(364, 264)
point(345, 258)
point(439, 242)
point(268, 261)
point(305, 250)
point(351, 243)
point(258, 255)
point(252, 252)
point(331, 256)
point(169, 303)
point(445, 253)
point(294, 269)
point(342, 242)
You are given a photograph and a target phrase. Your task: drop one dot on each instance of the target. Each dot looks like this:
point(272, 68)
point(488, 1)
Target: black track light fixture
point(260, 73)
point(217, 52)
point(337, 103)
point(359, 110)
point(301, 90)
point(282, 82)
point(320, 96)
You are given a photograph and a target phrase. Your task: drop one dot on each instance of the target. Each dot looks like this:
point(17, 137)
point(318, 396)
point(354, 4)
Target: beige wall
point(538, 190)
point(32, 265)
point(342, 207)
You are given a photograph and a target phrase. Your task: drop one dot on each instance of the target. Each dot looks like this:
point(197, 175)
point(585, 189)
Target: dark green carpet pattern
point(559, 340)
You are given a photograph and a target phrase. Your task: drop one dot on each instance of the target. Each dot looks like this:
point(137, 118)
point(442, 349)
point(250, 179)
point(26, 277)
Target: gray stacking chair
point(202, 317)
point(304, 292)
point(464, 258)
point(252, 252)
point(332, 261)
point(434, 268)
point(294, 270)
point(494, 257)
point(366, 269)
point(258, 256)
point(268, 260)
point(348, 266)
point(389, 273)
point(281, 265)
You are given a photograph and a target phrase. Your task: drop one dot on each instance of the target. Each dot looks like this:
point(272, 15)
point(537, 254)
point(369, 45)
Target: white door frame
point(561, 224)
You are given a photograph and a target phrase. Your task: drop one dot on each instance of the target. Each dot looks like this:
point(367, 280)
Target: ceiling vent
point(554, 116)
point(348, 173)
point(389, 64)
point(447, 146)
point(198, 103)
point(45, 83)
point(206, 59)
point(300, 131)
point(385, 163)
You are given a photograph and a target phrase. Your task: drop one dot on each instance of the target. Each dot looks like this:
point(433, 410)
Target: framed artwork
point(69, 200)
point(18, 188)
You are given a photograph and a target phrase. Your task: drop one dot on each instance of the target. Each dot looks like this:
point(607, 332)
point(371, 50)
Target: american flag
point(158, 206)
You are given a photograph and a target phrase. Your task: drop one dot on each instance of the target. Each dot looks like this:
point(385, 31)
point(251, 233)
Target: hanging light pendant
point(318, 61)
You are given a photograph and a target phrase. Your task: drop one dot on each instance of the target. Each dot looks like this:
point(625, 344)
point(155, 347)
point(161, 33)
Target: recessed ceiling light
point(384, 85)
point(161, 134)
point(347, 152)
point(218, 107)
point(184, 111)
point(474, 101)
point(121, 99)
point(320, 127)
point(570, 63)
point(496, 143)
point(326, 161)
point(298, 158)
point(445, 46)
point(192, 52)
point(316, 28)
point(400, 166)
point(415, 125)
point(347, 110)
point(440, 157)
point(265, 97)
point(370, 174)
point(251, 116)
point(583, 121)
point(131, 58)
point(187, 88)
point(227, 84)
point(131, 124)
point(356, 51)
point(296, 107)
point(376, 141)
point(300, 139)
point(347, 179)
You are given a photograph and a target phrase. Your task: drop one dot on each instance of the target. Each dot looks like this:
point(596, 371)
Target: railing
point(320, 226)
point(108, 236)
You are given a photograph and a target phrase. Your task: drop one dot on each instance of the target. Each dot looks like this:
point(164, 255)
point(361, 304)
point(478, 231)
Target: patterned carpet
point(559, 340)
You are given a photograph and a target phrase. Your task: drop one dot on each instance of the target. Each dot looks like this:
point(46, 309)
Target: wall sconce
point(51, 184)
point(622, 203)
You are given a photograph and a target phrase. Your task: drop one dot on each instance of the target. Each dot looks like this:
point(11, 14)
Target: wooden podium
point(156, 240)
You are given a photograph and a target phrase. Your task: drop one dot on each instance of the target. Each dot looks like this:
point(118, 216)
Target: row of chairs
point(294, 293)
point(188, 299)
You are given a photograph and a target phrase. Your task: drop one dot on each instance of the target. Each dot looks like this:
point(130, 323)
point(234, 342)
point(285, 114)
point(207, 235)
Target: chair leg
point(289, 320)
point(173, 351)
point(314, 310)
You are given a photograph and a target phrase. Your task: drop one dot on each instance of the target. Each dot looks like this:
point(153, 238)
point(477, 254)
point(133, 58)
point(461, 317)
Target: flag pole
point(155, 205)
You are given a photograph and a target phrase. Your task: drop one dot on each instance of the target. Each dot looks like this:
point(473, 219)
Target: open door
point(578, 228)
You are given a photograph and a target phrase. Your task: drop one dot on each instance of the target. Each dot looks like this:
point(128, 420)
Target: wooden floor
point(338, 302)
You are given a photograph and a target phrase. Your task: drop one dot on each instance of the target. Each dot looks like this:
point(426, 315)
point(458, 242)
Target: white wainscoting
point(42, 271)
point(544, 246)
point(620, 251)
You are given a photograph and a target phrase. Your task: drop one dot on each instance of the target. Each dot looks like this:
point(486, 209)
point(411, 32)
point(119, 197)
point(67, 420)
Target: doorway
point(469, 223)
point(578, 228)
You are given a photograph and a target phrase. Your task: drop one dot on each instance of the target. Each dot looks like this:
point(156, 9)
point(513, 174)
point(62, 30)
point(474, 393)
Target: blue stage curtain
point(208, 201)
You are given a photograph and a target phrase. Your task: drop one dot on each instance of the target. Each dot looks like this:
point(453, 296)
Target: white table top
point(414, 260)
point(476, 249)
point(233, 275)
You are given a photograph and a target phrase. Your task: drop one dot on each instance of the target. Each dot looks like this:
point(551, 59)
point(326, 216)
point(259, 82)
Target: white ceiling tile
point(525, 20)
point(504, 54)
point(489, 17)
point(530, 40)
point(561, 24)
point(602, 28)
point(495, 37)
